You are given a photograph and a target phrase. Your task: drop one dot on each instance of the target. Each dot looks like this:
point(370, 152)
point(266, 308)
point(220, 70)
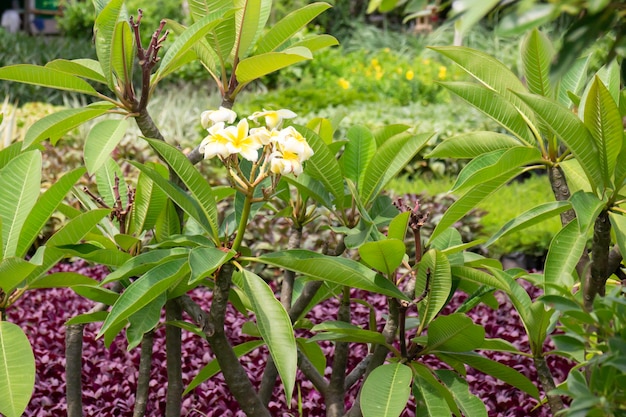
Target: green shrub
point(77, 19)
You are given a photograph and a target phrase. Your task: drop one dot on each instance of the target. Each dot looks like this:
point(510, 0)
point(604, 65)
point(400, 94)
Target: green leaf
point(143, 291)
point(250, 19)
point(571, 130)
point(149, 202)
point(471, 405)
point(431, 397)
point(495, 369)
point(204, 261)
point(63, 280)
point(140, 264)
point(104, 34)
point(618, 221)
point(587, 207)
point(333, 269)
point(178, 196)
point(398, 226)
point(314, 353)
point(454, 333)
point(9, 153)
point(530, 218)
point(289, 26)
point(17, 370)
point(96, 317)
point(563, 255)
point(435, 264)
point(123, 52)
point(499, 108)
point(13, 271)
point(249, 69)
point(472, 145)
point(106, 181)
point(20, 181)
point(573, 80)
point(470, 13)
point(189, 37)
point(346, 332)
point(471, 199)
point(383, 255)
point(275, 328)
point(55, 125)
point(391, 157)
point(101, 141)
point(46, 77)
point(213, 367)
point(357, 154)
point(97, 294)
point(143, 321)
point(316, 42)
point(85, 68)
point(386, 391)
point(537, 54)
point(602, 118)
point(198, 186)
point(45, 207)
point(323, 166)
point(575, 176)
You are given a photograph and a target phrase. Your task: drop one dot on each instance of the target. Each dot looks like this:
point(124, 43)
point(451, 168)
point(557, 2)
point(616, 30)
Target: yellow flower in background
point(379, 75)
point(399, 70)
point(442, 73)
point(387, 50)
point(375, 63)
point(343, 83)
point(409, 75)
point(426, 61)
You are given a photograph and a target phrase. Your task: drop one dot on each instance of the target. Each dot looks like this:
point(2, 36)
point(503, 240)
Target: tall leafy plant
point(571, 129)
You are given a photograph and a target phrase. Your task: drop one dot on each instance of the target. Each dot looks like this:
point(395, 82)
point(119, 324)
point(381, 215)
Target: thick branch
point(335, 394)
point(73, 369)
point(600, 272)
point(213, 327)
point(561, 191)
point(547, 383)
point(173, 348)
point(143, 380)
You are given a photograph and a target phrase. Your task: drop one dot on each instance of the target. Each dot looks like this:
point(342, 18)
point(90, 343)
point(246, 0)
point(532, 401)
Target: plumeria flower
point(242, 143)
point(273, 118)
point(264, 135)
point(211, 117)
point(285, 162)
point(293, 141)
point(215, 142)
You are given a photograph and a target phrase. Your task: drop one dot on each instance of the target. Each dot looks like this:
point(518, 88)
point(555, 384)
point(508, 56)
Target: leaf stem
point(243, 222)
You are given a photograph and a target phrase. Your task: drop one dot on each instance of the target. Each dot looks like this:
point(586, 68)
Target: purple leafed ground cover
point(109, 374)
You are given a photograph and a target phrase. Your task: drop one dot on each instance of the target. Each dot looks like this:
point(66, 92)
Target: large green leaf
point(143, 321)
point(203, 261)
point(189, 38)
point(178, 196)
point(495, 369)
point(454, 333)
point(149, 202)
point(383, 255)
point(249, 69)
point(104, 34)
point(530, 218)
point(563, 255)
point(55, 125)
point(386, 391)
point(473, 144)
point(191, 177)
point(275, 327)
point(213, 367)
point(479, 277)
point(63, 280)
point(143, 291)
point(391, 157)
point(13, 271)
point(494, 105)
point(618, 221)
point(573, 80)
point(537, 54)
point(324, 167)
point(85, 68)
point(346, 332)
point(333, 269)
point(20, 181)
point(471, 405)
point(123, 51)
point(289, 26)
point(602, 118)
point(471, 198)
point(45, 207)
point(435, 265)
point(46, 77)
point(357, 154)
point(17, 370)
point(431, 394)
point(106, 180)
point(140, 264)
point(571, 130)
point(250, 19)
point(101, 141)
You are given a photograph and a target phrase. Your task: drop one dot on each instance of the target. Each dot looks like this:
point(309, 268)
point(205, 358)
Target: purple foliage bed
point(109, 374)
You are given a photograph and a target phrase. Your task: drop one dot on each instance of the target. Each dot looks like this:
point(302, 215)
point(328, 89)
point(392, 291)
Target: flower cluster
point(285, 149)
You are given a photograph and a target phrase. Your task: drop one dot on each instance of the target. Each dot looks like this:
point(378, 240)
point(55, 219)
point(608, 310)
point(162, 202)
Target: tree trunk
point(173, 347)
point(73, 369)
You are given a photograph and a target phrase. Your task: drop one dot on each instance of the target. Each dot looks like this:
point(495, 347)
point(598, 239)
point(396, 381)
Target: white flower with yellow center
point(285, 162)
point(215, 142)
point(212, 117)
point(264, 135)
point(293, 141)
point(242, 143)
point(273, 118)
